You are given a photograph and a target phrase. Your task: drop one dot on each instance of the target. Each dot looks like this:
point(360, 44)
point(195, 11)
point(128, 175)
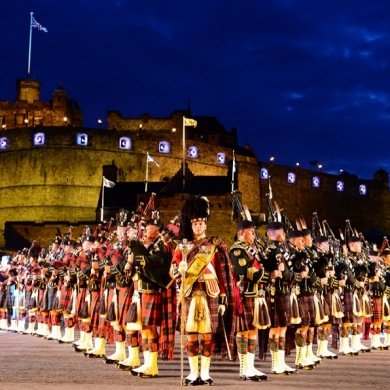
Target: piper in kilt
point(151, 260)
point(251, 311)
point(279, 296)
point(205, 278)
point(376, 289)
point(304, 290)
point(328, 293)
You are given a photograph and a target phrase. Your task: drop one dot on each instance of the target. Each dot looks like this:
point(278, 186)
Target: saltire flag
point(190, 122)
point(108, 183)
point(37, 25)
point(149, 158)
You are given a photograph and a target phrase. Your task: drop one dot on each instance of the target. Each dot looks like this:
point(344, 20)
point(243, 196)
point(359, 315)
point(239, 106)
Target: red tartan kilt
point(280, 310)
point(95, 305)
point(244, 321)
point(151, 304)
point(377, 309)
point(80, 299)
point(65, 297)
point(124, 300)
point(307, 310)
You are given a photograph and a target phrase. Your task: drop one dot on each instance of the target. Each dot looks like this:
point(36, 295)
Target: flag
point(190, 122)
point(37, 25)
point(149, 158)
point(108, 183)
point(234, 169)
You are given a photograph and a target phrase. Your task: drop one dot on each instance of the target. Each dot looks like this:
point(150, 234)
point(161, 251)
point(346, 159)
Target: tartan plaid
point(94, 310)
point(167, 330)
point(280, 310)
point(151, 309)
point(2, 298)
point(124, 295)
point(307, 310)
point(327, 307)
point(244, 321)
point(52, 301)
point(80, 299)
point(65, 297)
point(347, 301)
point(377, 309)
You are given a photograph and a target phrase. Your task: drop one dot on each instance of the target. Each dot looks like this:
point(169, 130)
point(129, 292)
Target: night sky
point(302, 81)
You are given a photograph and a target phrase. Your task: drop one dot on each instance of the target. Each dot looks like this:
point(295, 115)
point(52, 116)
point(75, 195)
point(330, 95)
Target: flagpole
point(102, 208)
point(184, 152)
point(29, 45)
point(147, 172)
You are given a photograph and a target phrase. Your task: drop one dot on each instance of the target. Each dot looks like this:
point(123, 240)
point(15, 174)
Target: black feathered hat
point(196, 208)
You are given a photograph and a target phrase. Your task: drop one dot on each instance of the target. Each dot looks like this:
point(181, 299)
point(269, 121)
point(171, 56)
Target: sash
point(195, 269)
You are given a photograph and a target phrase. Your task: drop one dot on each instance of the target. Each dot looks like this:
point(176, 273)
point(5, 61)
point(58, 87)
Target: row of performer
point(138, 283)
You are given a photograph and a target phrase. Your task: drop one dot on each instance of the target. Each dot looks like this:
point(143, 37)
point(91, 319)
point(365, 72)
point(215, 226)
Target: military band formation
point(137, 283)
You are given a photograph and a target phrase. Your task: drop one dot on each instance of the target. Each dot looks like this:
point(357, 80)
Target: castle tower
point(28, 90)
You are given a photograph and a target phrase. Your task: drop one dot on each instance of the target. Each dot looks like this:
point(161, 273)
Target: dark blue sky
point(301, 80)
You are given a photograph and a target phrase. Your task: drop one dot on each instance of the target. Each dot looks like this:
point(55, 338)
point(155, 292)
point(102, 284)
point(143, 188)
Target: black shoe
point(191, 382)
point(123, 367)
point(110, 361)
point(206, 382)
point(253, 378)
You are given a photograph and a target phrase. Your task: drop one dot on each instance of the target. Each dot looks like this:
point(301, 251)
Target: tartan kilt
point(244, 321)
point(328, 304)
point(124, 299)
point(347, 300)
point(94, 308)
point(377, 309)
point(307, 310)
point(52, 300)
point(80, 299)
point(280, 310)
point(151, 304)
point(65, 297)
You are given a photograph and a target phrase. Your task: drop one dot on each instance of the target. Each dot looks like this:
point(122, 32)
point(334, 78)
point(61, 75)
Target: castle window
point(124, 143)
point(362, 189)
point(291, 178)
point(315, 182)
point(39, 139)
point(164, 147)
point(264, 173)
point(221, 158)
point(193, 152)
point(82, 139)
point(340, 186)
point(4, 143)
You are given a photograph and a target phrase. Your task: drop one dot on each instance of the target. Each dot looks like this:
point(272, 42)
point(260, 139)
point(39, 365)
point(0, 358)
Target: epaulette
point(239, 245)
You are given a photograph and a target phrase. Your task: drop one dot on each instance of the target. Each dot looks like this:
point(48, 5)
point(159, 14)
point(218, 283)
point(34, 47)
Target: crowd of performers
point(137, 283)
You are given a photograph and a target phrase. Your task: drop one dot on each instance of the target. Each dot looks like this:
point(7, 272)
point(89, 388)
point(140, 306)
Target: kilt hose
point(279, 310)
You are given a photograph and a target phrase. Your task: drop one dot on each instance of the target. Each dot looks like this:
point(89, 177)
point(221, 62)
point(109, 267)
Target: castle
point(52, 170)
